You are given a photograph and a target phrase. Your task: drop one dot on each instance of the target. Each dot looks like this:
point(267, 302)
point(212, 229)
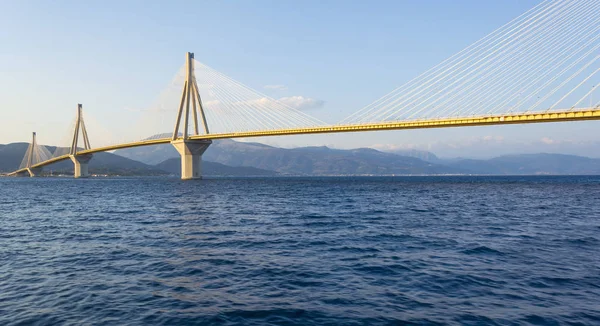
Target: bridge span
point(521, 118)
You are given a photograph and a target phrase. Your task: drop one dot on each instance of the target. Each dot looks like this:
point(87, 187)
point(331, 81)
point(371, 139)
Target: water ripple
point(298, 251)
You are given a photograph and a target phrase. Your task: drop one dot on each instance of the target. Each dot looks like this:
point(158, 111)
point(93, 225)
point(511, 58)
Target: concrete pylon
point(190, 95)
point(191, 150)
point(191, 157)
point(33, 172)
point(80, 161)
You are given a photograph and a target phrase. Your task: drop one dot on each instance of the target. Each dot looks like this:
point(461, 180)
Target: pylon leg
point(34, 172)
point(191, 157)
point(190, 94)
point(80, 163)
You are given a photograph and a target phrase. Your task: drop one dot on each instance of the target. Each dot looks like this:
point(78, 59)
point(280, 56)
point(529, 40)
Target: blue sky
point(116, 55)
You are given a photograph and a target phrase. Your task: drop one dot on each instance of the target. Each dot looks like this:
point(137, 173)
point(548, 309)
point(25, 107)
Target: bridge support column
point(80, 163)
point(191, 157)
point(33, 172)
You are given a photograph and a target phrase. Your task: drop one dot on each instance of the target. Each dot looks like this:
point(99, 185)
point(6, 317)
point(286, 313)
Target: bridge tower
point(80, 161)
point(33, 172)
point(190, 150)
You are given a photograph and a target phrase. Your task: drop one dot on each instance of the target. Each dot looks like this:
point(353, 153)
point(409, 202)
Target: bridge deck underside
point(517, 118)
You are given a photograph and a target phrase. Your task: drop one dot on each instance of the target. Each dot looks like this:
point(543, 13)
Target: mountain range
point(366, 161)
point(233, 158)
point(102, 163)
point(111, 164)
point(300, 161)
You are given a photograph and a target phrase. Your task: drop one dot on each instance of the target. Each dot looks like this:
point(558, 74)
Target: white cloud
point(276, 87)
point(301, 102)
point(394, 147)
point(548, 141)
point(493, 138)
point(212, 103)
point(159, 108)
point(296, 102)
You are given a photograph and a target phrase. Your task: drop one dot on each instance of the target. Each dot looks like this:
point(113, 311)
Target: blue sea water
point(300, 251)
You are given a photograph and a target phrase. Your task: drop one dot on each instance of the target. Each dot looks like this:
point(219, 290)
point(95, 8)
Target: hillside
point(531, 164)
point(102, 163)
point(173, 166)
point(11, 156)
point(232, 158)
point(327, 161)
point(300, 161)
point(423, 155)
point(111, 164)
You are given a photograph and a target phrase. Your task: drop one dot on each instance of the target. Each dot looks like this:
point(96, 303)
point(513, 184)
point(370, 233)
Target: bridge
point(538, 68)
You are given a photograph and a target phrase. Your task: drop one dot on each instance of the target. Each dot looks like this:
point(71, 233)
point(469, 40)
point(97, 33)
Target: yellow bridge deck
point(579, 114)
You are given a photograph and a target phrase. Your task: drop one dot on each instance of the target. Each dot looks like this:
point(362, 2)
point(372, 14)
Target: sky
point(330, 58)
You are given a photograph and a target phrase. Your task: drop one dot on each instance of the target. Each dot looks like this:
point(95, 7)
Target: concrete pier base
point(81, 165)
point(191, 157)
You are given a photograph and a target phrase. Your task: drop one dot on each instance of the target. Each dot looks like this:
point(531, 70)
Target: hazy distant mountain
point(11, 156)
point(531, 164)
point(244, 159)
point(299, 161)
point(327, 161)
point(423, 155)
point(173, 166)
point(151, 155)
point(321, 160)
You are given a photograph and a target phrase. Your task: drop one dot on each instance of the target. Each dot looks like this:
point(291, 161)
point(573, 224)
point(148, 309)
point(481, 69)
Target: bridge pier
point(29, 172)
point(191, 157)
point(80, 163)
point(34, 172)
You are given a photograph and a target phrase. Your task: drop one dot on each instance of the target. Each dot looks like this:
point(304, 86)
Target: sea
point(430, 250)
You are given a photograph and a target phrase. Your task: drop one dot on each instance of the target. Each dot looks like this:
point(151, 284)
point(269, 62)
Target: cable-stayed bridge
point(540, 67)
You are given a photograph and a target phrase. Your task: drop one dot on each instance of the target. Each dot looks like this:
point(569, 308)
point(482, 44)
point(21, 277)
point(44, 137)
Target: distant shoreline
point(314, 176)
